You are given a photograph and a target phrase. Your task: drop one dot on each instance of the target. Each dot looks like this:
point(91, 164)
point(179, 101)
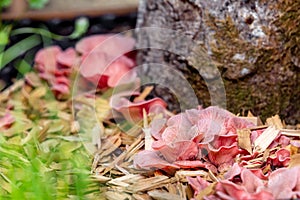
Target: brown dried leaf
point(244, 140)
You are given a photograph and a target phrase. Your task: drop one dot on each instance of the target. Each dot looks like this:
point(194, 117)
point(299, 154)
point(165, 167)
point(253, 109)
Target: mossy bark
point(256, 45)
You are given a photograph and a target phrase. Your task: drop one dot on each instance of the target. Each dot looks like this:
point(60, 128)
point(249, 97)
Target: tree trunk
point(253, 45)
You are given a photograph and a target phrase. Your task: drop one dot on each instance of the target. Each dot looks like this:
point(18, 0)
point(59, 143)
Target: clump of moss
point(272, 84)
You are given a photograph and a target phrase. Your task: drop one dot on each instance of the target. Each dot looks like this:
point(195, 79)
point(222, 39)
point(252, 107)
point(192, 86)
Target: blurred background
point(29, 25)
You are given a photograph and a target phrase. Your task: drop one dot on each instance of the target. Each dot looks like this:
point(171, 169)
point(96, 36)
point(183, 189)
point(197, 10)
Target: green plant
point(37, 4)
point(38, 36)
point(33, 4)
point(47, 163)
point(5, 3)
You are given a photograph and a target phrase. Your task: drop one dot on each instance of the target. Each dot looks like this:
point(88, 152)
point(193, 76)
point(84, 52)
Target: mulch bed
point(143, 155)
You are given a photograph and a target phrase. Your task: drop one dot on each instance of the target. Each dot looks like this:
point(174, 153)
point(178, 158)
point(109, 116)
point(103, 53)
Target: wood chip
point(265, 139)
point(207, 191)
point(111, 195)
point(182, 188)
point(141, 197)
point(182, 174)
point(244, 140)
point(163, 195)
point(75, 127)
point(275, 121)
point(266, 155)
point(148, 137)
point(101, 179)
point(250, 114)
point(123, 155)
point(110, 145)
point(292, 148)
point(290, 132)
point(295, 160)
point(258, 127)
point(130, 155)
point(149, 184)
point(144, 94)
point(126, 180)
point(253, 166)
point(212, 176)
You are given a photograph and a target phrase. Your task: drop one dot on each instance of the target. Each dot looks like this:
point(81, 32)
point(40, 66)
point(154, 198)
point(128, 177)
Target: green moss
point(273, 87)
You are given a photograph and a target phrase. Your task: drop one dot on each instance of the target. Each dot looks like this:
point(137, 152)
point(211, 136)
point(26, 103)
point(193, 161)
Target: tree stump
point(254, 44)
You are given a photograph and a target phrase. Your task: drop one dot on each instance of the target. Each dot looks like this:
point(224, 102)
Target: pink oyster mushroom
point(55, 66)
point(241, 183)
point(98, 68)
point(104, 60)
point(7, 120)
point(248, 186)
point(183, 137)
point(133, 111)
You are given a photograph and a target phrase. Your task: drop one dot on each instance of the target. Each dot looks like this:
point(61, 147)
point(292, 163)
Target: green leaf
point(23, 67)
point(38, 31)
point(37, 4)
point(5, 3)
point(4, 38)
point(14, 155)
point(4, 35)
point(81, 26)
point(18, 49)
